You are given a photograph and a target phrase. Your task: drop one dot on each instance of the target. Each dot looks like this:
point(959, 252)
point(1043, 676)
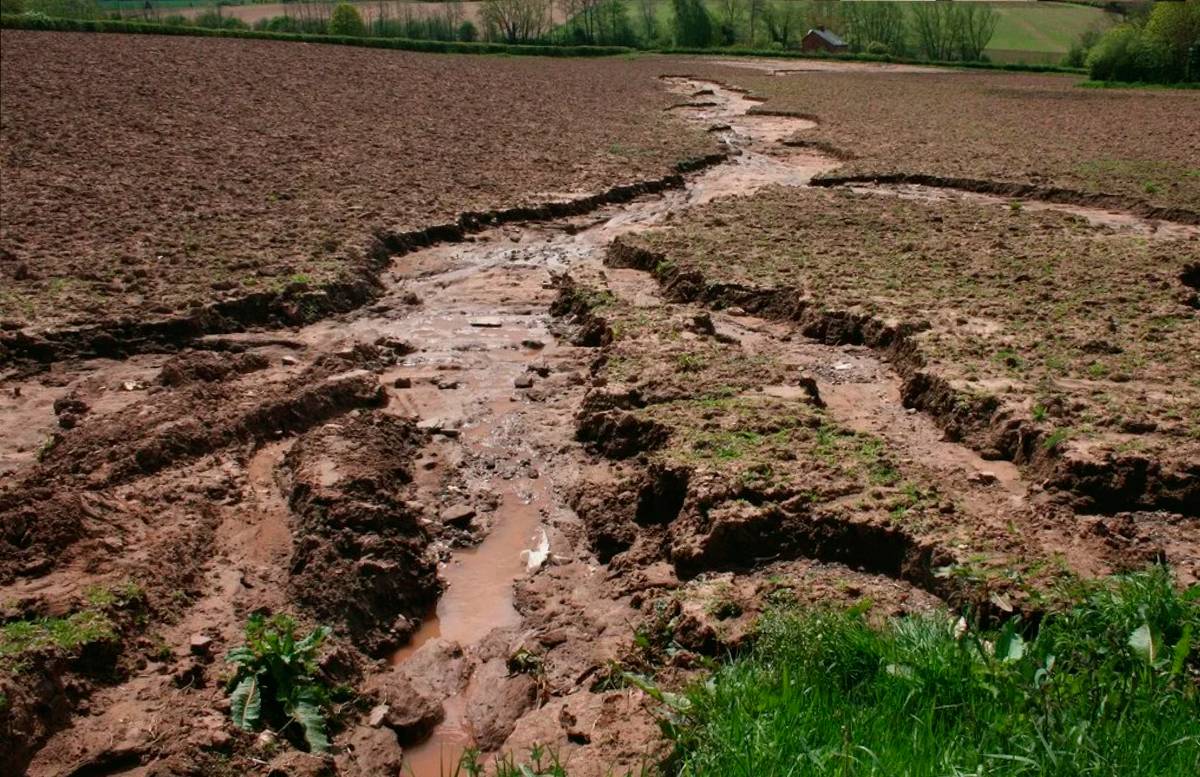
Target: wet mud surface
point(528, 447)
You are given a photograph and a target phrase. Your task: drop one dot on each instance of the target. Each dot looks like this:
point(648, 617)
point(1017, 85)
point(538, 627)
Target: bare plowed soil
point(548, 449)
point(1134, 149)
point(146, 175)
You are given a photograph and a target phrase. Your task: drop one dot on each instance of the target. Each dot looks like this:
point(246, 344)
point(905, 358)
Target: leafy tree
point(784, 19)
point(1175, 29)
point(467, 31)
point(276, 679)
point(346, 20)
point(693, 25)
point(1161, 49)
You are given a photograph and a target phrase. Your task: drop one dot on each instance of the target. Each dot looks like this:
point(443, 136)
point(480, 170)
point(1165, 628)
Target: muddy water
point(1097, 217)
point(500, 281)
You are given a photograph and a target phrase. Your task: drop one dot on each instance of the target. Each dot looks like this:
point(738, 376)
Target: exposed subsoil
point(521, 452)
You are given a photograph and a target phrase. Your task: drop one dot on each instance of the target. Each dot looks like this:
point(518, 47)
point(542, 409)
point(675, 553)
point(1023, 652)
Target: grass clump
point(23, 637)
point(1106, 686)
point(95, 622)
point(276, 683)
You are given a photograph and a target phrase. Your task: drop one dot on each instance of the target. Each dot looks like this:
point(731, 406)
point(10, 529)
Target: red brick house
point(822, 39)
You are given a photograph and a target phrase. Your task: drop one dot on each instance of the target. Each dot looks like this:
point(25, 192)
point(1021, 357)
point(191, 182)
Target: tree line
point(937, 30)
point(1159, 44)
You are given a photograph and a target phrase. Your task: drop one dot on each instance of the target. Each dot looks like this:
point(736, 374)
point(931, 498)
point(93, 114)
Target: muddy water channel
point(498, 391)
point(483, 326)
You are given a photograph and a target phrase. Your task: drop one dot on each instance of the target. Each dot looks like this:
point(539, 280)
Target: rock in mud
point(459, 516)
point(372, 751)
point(407, 712)
point(496, 701)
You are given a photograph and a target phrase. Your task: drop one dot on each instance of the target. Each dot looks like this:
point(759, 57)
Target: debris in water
point(534, 558)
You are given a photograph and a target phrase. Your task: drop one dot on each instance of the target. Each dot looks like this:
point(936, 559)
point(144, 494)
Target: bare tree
point(754, 13)
point(974, 25)
point(516, 21)
point(730, 14)
point(648, 16)
point(784, 20)
point(879, 23)
point(935, 29)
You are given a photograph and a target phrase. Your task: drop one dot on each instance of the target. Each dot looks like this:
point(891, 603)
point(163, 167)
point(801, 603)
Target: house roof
point(827, 36)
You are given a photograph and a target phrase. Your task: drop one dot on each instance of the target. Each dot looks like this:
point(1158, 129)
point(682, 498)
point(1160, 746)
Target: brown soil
point(540, 453)
point(1032, 334)
point(992, 130)
point(248, 168)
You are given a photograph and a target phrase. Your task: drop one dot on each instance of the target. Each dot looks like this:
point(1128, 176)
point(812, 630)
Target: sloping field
point(1031, 129)
point(454, 357)
point(246, 167)
point(1050, 27)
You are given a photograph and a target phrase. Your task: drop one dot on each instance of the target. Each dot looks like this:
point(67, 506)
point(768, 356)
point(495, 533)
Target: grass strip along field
point(1104, 685)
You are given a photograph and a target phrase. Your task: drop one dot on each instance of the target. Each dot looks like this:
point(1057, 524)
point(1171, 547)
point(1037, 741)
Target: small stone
point(403, 383)
point(459, 515)
point(523, 382)
point(377, 715)
point(68, 420)
point(200, 644)
point(536, 345)
point(983, 478)
point(489, 322)
point(288, 361)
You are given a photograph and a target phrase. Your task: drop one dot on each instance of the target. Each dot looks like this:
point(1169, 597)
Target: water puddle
point(1096, 217)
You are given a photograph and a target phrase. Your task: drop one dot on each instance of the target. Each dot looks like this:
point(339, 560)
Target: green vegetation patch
point(97, 621)
point(1106, 685)
point(23, 637)
point(276, 680)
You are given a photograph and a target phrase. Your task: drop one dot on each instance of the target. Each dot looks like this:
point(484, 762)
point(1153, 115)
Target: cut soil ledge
point(298, 304)
point(1116, 484)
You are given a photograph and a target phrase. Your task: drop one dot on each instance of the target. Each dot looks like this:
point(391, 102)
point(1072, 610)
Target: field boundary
point(1023, 190)
point(879, 58)
point(297, 303)
point(47, 24)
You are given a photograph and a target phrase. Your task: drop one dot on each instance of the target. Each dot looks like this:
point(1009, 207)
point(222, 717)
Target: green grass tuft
point(1107, 686)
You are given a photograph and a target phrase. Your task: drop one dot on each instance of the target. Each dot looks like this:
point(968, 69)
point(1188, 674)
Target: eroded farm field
point(599, 437)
